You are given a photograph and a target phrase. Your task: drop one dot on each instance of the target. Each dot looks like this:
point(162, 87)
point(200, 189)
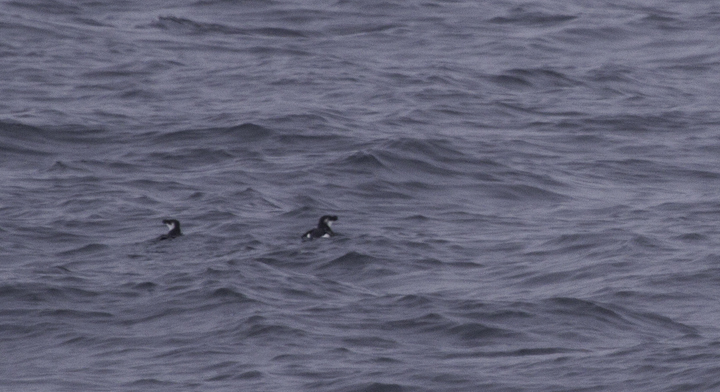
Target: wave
point(190, 26)
point(43, 292)
point(535, 77)
point(28, 144)
point(524, 15)
point(378, 387)
point(49, 6)
point(592, 318)
point(355, 265)
point(85, 250)
point(411, 157)
point(243, 133)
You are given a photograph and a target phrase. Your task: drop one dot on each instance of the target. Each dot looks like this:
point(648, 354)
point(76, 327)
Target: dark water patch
point(61, 269)
point(447, 378)
point(413, 301)
point(426, 323)
point(12, 330)
point(549, 278)
point(190, 157)
point(143, 286)
point(229, 294)
point(263, 50)
point(9, 150)
point(578, 36)
point(82, 341)
point(642, 242)
point(511, 81)
point(662, 21)
point(544, 77)
point(296, 120)
point(237, 135)
point(368, 28)
point(418, 218)
point(467, 265)
point(279, 32)
point(249, 132)
point(586, 308)
point(692, 237)
point(150, 383)
point(534, 77)
point(249, 375)
point(404, 167)
point(525, 352)
point(409, 167)
point(54, 136)
point(90, 22)
point(293, 357)
point(274, 331)
point(481, 333)
point(579, 242)
point(65, 167)
point(300, 293)
point(700, 209)
point(165, 185)
point(318, 146)
point(433, 263)
point(139, 94)
point(615, 320)
point(19, 34)
point(51, 7)
point(75, 314)
point(23, 142)
point(40, 292)
point(189, 26)
point(698, 174)
point(250, 198)
point(441, 150)
point(707, 272)
point(184, 25)
point(524, 193)
point(377, 387)
point(633, 170)
point(124, 72)
point(215, 273)
point(664, 324)
point(524, 15)
point(480, 311)
point(361, 162)
point(253, 4)
point(354, 264)
point(381, 191)
point(608, 73)
point(52, 235)
point(649, 124)
point(85, 250)
point(370, 342)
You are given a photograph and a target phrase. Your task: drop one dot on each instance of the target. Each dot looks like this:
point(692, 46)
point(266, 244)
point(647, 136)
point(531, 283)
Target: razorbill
point(323, 229)
point(173, 229)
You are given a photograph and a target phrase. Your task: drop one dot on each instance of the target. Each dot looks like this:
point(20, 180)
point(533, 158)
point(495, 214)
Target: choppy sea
point(528, 195)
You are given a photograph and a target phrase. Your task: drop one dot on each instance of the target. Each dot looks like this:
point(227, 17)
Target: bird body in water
point(173, 229)
point(323, 229)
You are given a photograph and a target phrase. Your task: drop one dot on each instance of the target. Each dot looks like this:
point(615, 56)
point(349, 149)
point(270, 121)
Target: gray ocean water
point(527, 192)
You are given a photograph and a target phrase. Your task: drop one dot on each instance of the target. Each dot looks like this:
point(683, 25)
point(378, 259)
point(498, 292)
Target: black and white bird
point(173, 229)
point(323, 229)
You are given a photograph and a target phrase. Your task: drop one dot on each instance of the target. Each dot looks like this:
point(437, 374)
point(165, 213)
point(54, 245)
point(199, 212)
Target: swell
point(47, 141)
point(189, 26)
point(532, 15)
point(402, 168)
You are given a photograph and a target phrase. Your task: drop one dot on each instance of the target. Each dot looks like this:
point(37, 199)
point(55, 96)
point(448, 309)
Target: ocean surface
point(528, 195)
